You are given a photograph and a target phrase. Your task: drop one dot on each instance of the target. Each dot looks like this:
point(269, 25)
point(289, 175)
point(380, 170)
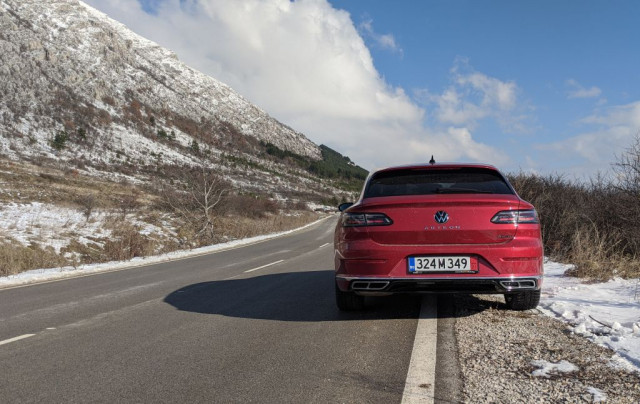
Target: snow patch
point(49, 225)
point(606, 313)
point(548, 368)
point(598, 395)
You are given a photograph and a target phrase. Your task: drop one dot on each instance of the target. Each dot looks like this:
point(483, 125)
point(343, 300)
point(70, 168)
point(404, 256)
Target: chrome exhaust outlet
point(369, 285)
point(519, 284)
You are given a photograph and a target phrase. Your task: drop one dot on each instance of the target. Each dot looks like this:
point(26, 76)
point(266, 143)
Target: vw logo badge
point(441, 216)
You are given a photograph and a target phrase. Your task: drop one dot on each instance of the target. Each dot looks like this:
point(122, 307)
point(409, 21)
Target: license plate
point(437, 264)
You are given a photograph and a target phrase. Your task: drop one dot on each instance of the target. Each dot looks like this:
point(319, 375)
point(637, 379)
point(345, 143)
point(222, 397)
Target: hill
point(96, 120)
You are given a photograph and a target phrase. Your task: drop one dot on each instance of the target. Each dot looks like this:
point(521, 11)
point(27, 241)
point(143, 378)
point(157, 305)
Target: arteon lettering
point(442, 228)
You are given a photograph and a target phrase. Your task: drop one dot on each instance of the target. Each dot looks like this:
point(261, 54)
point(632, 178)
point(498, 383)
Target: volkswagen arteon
point(438, 228)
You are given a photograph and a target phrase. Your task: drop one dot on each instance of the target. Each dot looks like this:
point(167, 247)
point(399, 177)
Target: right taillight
point(365, 219)
point(515, 217)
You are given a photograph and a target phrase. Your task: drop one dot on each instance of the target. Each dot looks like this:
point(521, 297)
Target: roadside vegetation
point(595, 224)
point(101, 220)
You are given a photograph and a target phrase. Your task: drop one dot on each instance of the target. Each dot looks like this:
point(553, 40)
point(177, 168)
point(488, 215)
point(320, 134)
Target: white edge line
point(117, 266)
point(14, 339)
point(264, 266)
point(421, 376)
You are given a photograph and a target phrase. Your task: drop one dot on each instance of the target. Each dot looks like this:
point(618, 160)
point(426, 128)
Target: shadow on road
point(292, 296)
point(304, 296)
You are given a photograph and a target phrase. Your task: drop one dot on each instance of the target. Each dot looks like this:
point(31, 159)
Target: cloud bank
point(307, 64)
point(609, 133)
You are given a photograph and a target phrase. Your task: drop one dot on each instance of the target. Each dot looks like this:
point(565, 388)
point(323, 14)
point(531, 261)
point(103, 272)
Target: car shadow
point(299, 296)
point(291, 296)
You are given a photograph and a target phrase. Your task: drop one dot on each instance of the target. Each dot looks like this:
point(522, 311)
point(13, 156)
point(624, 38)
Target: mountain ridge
point(69, 47)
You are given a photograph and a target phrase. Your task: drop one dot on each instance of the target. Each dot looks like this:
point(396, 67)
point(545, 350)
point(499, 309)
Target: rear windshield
point(467, 180)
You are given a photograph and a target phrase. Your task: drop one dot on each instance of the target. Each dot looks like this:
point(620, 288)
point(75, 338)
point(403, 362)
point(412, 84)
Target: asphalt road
point(253, 324)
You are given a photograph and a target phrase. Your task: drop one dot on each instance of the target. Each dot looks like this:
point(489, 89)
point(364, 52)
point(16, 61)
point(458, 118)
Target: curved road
point(252, 324)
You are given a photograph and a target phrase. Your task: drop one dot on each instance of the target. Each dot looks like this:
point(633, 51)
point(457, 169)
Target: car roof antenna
point(432, 161)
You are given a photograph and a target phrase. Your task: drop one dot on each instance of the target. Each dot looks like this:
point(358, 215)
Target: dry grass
point(126, 242)
point(236, 227)
point(25, 183)
point(15, 258)
point(600, 258)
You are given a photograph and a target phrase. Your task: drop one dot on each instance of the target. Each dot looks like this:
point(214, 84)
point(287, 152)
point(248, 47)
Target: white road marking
point(8, 341)
point(421, 377)
point(323, 245)
point(264, 266)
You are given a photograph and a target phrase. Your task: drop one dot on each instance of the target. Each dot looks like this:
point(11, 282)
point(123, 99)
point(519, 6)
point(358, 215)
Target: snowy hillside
point(68, 67)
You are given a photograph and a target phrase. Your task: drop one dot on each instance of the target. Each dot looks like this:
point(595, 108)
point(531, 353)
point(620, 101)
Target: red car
point(438, 228)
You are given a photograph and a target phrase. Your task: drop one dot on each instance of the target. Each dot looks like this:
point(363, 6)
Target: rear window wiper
point(461, 191)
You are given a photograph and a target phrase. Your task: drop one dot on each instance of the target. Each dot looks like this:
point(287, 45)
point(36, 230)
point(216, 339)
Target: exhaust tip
point(369, 285)
point(519, 284)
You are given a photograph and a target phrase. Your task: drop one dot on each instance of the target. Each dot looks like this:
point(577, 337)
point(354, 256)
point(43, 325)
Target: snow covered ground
point(54, 226)
point(605, 313)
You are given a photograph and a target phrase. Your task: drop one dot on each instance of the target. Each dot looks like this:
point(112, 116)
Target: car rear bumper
point(520, 257)
point(386, 285)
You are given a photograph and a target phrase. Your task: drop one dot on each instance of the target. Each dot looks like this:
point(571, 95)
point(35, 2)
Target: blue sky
point(549, 48)
point(545, 86)
point(540, 45)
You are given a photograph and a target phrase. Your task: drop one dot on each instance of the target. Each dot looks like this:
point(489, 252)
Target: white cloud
point(622, 115)
point(610, 133)
point(307, 65)
point(384, 41)
point(576, 90)
point(473, 96)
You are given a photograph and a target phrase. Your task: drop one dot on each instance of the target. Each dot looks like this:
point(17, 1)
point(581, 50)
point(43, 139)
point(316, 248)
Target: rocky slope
point(79, 87)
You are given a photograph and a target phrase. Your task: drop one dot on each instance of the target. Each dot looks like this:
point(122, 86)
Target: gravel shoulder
point(497, 349)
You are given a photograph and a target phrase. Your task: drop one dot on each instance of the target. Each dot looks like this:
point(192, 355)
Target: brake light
point(515, 217)
point(365, 219)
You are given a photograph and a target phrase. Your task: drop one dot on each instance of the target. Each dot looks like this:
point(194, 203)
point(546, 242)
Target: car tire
point(348, 301)
point(522, 300)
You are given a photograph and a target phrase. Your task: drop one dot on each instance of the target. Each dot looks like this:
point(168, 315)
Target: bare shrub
point(595, 225)
point(253, 206)
point(127, 242)
point(128, 203)
point(599, 257)
point(627, 169)
point(197, 195)
point(295, 205)
point(87, 203)
point(107, 99)
point(15, 258)
point(85, 253)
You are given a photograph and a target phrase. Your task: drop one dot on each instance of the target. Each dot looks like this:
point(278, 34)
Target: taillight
point(515, 217)
point(365, 219)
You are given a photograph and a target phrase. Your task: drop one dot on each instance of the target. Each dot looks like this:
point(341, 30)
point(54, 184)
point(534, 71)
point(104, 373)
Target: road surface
point(251, 324)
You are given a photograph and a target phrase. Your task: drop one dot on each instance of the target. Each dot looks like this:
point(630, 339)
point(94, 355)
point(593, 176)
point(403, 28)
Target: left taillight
point(365, 219)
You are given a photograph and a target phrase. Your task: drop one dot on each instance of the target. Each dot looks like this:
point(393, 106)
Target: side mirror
point(345, 206)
